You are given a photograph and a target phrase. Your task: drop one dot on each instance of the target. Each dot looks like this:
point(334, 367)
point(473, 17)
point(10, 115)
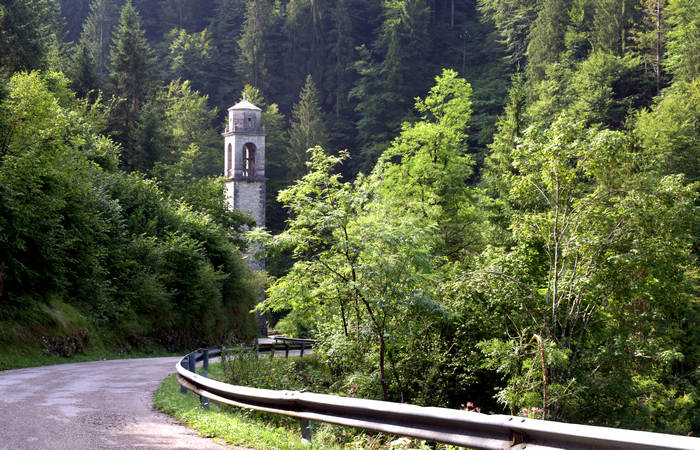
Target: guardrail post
point(302, 349)
point(305, 430)
point(192, 362)
point(205, 368)
point(183, 389)
point(257, 349)
point(286, 350)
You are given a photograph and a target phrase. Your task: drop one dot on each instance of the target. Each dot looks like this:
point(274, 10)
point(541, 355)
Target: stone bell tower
point(244, 170)
point(244, 163)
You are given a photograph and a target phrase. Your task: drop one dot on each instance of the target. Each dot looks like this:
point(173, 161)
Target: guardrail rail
point(450, 426)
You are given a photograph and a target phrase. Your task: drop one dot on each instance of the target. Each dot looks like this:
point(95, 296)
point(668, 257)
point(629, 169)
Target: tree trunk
point(657, 68)
point(382, 378)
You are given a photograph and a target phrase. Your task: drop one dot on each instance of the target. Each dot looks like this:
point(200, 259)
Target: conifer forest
point(469, 202)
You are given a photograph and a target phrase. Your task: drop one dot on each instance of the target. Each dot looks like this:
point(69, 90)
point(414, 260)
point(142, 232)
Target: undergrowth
point(259, 430)
point(57, 333)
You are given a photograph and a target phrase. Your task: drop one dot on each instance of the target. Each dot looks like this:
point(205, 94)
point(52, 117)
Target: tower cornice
point(241, 133)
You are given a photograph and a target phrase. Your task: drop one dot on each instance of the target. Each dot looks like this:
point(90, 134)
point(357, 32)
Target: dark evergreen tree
point(75, 13)
point(97, 32)
point(28, 32)
point(612, 20)
point(513, 19)
point(391, 76)
point(193, 57)
point(150, 140)
point(83, 71)
point(307, 129)
point(546, 38)
point(252, 60)
point(132, 78)
point(683, 41)
point(225, 29)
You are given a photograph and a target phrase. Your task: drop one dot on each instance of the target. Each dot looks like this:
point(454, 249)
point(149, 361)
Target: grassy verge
point(270, 431)
point(56, 333)
point(235, 426)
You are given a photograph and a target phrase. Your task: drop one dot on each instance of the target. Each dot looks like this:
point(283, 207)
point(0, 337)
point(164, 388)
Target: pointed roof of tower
point(245, 104)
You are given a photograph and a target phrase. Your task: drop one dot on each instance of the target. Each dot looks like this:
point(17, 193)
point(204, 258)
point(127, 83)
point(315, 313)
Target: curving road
point(102, 404)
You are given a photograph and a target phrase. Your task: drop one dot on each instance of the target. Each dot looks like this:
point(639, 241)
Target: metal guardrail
point(469, 429)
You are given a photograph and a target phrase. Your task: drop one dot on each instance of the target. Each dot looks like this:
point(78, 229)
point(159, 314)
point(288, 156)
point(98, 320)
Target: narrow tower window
point(229, 161)
point(249, 166)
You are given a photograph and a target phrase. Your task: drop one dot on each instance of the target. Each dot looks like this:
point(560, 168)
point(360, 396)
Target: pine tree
point(343, 55)
point(225, 29)
point(546, 38)
point(404, 39)
point(192, 57)
point(150, 136)
point(83, 71)
point(611, 21)
point(252, 64)
point(684, 40)
point(648, 37)
point(307, 129)
point(75, 12)
point(394, 73)
point(298, 44)
point(97, 31)
point(513, 20)
point(28, 33)
point(132, 75)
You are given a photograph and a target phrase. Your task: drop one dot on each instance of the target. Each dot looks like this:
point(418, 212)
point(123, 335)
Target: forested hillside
point(499, 206)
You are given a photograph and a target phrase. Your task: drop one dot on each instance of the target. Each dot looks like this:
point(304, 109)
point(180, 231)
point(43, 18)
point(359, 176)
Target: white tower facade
point(244, 160)
point(244, 169)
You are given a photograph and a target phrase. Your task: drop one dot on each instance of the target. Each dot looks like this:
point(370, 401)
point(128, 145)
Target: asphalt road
point(102, 404)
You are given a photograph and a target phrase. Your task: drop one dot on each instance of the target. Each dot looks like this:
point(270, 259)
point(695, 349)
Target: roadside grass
point(259, 430)
point(234, 425)
point(57, 333)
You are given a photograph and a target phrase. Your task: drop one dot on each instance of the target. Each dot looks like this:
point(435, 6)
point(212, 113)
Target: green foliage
point(192, 57)
point(587, 267)
point(244, 368)
point(106, 243)
point(83, 71)
point(360, 266)
point(97, 33)
point(513, 19)
point(307, 129)
point(683, 60)
point(252, 64)
point(594, 90)
point(131, 78)
point(669, 131)
point(28, 32)
point(546, 38)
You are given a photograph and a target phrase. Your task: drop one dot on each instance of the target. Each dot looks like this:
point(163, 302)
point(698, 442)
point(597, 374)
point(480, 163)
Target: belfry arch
point(249, 161)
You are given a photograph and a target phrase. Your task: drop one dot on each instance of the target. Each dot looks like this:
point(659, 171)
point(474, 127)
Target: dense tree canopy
point(486, 201)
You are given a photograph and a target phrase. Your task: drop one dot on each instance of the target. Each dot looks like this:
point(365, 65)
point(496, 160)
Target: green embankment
point(56, 333)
